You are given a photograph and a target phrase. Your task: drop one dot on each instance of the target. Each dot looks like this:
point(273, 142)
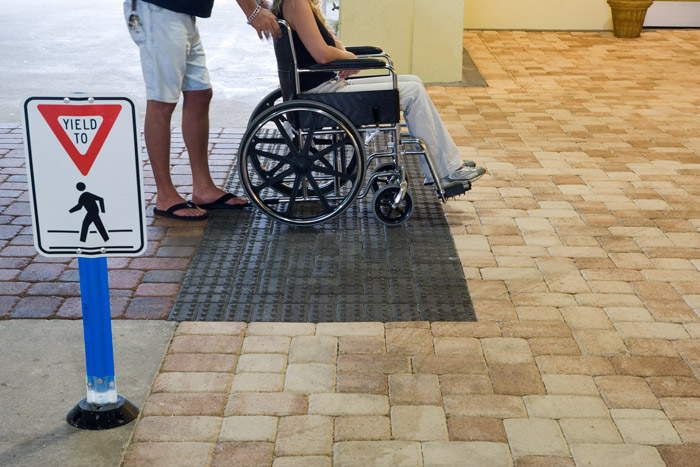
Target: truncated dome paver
point(251, 268)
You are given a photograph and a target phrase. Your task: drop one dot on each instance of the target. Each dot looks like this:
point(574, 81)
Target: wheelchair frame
point(303, 161)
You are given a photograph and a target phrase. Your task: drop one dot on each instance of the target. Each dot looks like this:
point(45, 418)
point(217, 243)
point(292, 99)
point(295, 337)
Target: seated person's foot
point(463, 174)
point(468, 164)
point(452, 189)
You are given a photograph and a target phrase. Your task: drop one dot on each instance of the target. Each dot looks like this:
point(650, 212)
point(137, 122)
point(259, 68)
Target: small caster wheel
point(384, 180)
point(388, 214)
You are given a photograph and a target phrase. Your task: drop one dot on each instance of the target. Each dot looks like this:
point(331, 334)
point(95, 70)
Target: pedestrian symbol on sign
point(90, 203)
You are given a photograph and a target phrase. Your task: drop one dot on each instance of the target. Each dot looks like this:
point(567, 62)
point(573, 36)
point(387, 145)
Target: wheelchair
point(304, 158)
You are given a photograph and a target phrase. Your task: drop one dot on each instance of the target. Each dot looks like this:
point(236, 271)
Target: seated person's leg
point(423, 122)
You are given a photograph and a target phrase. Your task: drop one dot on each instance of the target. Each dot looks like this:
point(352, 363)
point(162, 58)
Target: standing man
point(173, 61)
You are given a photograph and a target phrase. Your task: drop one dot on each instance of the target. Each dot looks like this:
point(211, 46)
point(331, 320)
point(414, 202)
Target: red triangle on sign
point(108, 112)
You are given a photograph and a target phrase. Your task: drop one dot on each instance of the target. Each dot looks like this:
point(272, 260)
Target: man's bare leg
point(157, 136)
point(195, 131)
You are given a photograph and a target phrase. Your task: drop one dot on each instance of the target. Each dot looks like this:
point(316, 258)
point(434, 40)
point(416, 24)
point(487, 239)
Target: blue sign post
point(85, 180)
point(99, 357)
point(103, 407)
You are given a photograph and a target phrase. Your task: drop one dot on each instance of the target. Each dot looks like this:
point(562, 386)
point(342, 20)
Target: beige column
point(423, 37)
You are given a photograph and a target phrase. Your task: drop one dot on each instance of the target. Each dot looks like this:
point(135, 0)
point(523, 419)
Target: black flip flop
point(222, 205)
point(170, 212)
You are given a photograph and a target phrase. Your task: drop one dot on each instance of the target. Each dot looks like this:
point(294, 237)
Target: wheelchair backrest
point(362, 108)
point(286, 62)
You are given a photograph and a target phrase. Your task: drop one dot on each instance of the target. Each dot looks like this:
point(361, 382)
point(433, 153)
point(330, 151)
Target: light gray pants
point(419, 112)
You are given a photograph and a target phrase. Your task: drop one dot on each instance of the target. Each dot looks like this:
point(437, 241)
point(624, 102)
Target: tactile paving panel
point(352, 268)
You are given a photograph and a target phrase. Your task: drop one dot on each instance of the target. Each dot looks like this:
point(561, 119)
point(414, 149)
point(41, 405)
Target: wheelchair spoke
point(262, 171)
point(325, 162)
point(274, 170)
point(332, 147)
point(287, 139)
point(268, 155)
point(268, 173)
point(321, 196)
point(295, 191)
point(310, 135)
point(273, 180)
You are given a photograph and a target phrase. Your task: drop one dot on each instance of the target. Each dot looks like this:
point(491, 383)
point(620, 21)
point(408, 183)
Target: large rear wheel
point(301, 162)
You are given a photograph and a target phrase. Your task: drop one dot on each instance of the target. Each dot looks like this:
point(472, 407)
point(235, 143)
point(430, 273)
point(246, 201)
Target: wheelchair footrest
point(457, 189)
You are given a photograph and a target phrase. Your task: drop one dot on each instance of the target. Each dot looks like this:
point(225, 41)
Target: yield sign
point(84, 174)
point(81, 129)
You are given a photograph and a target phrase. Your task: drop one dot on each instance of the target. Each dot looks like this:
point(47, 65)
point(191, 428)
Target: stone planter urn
point(628, 16)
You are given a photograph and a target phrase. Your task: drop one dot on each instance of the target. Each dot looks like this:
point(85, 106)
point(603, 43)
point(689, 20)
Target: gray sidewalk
point(51, 48)
point(43, 377)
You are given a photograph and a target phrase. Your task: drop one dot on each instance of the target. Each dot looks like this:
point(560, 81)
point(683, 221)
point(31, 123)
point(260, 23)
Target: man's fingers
point(273, 28)
point(270, 21)
point(265, 23)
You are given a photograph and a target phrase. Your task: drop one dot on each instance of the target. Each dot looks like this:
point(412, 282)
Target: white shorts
point(172, 57)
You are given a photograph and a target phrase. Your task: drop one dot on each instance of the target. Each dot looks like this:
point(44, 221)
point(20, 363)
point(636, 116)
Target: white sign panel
point(84, 172)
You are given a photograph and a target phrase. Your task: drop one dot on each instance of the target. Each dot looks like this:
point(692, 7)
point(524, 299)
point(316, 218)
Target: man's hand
point(265, 23)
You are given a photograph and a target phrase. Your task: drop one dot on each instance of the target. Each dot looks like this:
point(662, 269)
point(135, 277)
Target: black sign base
point(102, 417)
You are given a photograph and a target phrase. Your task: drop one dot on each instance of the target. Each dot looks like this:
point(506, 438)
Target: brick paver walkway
point(32, 286)
point(582, 251)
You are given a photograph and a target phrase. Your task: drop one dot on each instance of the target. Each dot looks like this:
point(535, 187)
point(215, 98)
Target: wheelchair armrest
point(364, 50)
point(351, 64)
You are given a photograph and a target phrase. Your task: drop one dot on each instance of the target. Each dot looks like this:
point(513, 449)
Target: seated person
point(314, 42)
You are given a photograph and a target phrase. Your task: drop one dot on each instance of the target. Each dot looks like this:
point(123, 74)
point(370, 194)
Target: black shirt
point(304, 59)
point(201, 8)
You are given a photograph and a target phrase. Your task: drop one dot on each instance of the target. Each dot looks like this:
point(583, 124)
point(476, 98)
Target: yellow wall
point(537, 14)
point(422, 40)
point(424, 37)
point(379, 23)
